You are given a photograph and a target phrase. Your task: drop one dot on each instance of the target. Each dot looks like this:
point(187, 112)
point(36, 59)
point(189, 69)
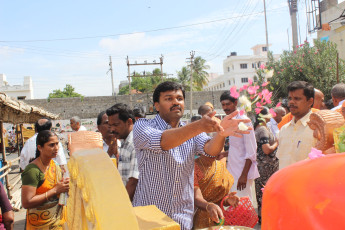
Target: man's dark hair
point(195, 118)
point(308, 89)
point(203, 109)
point(226, 96)
point(338, 91)
point(40, 126)
point(139, 112)
point(123, 110)
point(167, 86)
point(99, 117)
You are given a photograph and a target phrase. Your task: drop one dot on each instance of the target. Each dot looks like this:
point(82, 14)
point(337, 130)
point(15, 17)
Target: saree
point(49, 215)
point(215, 182)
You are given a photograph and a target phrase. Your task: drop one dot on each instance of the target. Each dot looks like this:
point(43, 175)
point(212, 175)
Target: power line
point(119, 34)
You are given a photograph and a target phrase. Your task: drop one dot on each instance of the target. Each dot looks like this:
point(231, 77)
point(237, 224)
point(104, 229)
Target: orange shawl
point(49, 215)
point(215, 182)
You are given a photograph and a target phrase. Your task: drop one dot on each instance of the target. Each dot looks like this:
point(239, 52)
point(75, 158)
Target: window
point(223, 84)
point(228, 68)
point(233, 80)
point(255, 78)
point(229, 82)
point(232, 67)
point(254, 65)
point(243, 66)
point(21, 97)
point(244, 79)
point(264, 48)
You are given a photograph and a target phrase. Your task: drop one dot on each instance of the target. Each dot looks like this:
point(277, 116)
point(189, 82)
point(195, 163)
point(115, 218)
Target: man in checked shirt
point(165, 149)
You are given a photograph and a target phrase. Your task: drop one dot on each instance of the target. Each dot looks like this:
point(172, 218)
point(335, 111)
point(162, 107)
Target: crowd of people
point(186, 170)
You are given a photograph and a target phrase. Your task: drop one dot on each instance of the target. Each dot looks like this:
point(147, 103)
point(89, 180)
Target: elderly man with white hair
point(76, 124)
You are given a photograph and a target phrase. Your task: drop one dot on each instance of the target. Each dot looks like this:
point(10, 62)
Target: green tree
point(316, 65)
point(68, 91)
point(200, 76)
point(183, 77)
point(144, 84)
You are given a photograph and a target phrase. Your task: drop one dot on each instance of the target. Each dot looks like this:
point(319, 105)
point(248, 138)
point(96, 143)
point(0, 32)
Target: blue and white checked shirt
point(166, 178)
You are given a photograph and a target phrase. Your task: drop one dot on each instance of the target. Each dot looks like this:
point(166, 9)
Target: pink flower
point(262, 66)
point(250, 81)
point(252, 97)
point(281, 70)
point(278, 72)
point(264, 84)
point(233, 92)
point(251, 90)
point(241, 89)
point(272, 112)
point(279, 104)
point(315, 153)
point(257, 110)
point(245, 87)
point(289, 61)
point(258, 104)
point(241, 112)
point(291, 65)
point(302, 55)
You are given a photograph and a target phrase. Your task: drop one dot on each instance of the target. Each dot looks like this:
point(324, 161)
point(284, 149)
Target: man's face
point(104, 128)
point(229, 106)
point(119, 128)
point(74, 125)
point(319, 102)
point(298, 103)
point(279, 115)
point(170, 105)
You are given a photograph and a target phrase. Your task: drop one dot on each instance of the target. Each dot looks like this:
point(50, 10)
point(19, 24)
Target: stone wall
point(89, 107)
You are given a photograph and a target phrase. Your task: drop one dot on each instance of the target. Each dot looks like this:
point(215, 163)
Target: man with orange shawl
point(212, 182)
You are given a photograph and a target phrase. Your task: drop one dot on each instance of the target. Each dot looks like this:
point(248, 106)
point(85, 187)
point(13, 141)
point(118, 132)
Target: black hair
point(139, 112)
point(338, 91)
point(264, 111)
point(285, 104)
point(99, 117)
point(123, 110)
point(226, 96)
point(195, 118)
point(45, 126)
point(42, 138)
point(329, 104)
point(167, 86)
point(308, 89)
point(203, 109)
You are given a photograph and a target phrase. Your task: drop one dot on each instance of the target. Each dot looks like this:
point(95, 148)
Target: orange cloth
point(215, 182)
point(288, 117)
point(326, 27)
point(306, 195)
point(54, 214)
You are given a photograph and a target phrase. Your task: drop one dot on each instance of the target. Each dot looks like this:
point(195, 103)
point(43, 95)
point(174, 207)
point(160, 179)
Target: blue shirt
point(166, 178)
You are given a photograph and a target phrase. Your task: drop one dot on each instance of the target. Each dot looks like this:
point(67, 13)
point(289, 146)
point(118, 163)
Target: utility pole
point(112, 77)
point(266, 28)
point(293, 11)
point(144, 75)
point(192, 53)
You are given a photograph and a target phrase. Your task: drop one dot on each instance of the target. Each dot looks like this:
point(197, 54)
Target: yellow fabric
point(151, 218)
point(214, 185)
point(295, 141)
point(54, 214)
point(97, 197)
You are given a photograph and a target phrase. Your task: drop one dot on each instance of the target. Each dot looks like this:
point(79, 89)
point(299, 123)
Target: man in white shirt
point(242, 152)
point(273, 123)
point(338, 95)
point(76, 124)
point(109, 140)
point(28, 152)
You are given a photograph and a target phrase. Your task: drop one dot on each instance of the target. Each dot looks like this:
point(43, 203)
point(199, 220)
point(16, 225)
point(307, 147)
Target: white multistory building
point(239, 69)
point(19, 92)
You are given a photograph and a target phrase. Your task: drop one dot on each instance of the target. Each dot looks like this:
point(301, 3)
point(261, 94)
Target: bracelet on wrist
point(46, 196)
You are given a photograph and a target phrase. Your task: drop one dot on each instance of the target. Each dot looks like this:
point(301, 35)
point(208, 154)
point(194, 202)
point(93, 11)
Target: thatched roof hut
point(17, 112)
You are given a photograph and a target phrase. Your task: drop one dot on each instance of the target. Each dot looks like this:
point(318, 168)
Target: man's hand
point(222, 155)
point(230, 126)
point(113, 148)
point(208, 125)
point(215, 212)
point(242, 182)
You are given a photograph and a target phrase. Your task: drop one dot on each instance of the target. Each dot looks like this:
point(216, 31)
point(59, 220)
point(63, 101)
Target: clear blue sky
point(30, 33)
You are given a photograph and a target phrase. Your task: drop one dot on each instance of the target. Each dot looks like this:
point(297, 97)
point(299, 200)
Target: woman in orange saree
point(42, 186)
point(212, 182)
